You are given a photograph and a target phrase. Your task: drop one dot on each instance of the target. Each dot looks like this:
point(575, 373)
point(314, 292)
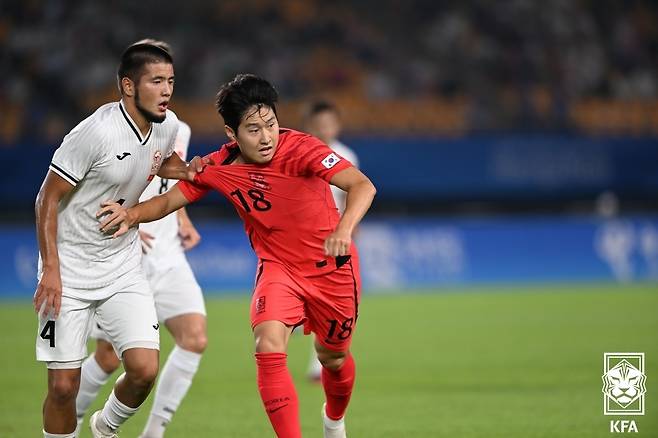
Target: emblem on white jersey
point(330, 160)
point(155, 164)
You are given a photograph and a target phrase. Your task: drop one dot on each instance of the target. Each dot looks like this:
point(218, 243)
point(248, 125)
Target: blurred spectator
point(514, 64)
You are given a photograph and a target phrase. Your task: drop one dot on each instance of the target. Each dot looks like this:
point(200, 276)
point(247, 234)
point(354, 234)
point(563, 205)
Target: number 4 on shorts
point(48, 332)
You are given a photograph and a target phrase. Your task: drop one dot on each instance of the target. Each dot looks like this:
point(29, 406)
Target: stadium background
point(514, 238)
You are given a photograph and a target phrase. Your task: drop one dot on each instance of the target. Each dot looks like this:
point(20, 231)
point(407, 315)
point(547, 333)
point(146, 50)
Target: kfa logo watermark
point(623, 388)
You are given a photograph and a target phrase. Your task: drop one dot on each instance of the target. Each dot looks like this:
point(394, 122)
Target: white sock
point(333, 424)
point(314, 365)
point(115, 413)
point(175, 380)
point(58, 435)
point(328, 422)
point(92, 379)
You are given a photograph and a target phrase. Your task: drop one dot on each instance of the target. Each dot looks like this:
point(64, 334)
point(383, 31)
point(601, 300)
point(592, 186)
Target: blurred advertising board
point(419, 253)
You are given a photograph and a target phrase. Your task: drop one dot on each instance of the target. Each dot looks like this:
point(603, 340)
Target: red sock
point(278, 394)
point(338, 388)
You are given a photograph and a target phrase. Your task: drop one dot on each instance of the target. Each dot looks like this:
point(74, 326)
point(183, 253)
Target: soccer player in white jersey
point(111, 155)
point(322, 120)
point(179, 305)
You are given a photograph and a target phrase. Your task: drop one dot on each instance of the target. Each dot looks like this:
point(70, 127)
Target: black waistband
point(339, 261)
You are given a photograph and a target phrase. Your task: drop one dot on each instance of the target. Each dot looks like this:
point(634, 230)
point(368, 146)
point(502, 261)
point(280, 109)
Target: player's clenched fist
point(338, 243)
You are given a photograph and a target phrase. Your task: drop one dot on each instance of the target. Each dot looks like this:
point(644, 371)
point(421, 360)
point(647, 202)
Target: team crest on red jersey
point(260, 305)
point(259, 181)
point(156, 162)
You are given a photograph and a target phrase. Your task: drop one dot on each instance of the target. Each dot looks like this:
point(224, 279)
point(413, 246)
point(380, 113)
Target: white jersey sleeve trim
point(64, 174)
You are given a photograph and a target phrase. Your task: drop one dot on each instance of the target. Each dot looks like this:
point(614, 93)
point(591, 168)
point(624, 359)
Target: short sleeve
point(193, 191)
point(174, 126)
point(182, 139)
point(319, 159)
point(78, 152)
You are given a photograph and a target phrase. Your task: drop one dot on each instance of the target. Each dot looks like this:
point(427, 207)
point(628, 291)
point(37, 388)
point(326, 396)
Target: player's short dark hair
point(245, 90)
point(137, 55)
point(317, 107)
point(161, 44)
point(320, 106)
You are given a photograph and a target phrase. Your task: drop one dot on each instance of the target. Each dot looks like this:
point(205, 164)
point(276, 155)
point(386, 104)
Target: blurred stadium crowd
point(394, 66)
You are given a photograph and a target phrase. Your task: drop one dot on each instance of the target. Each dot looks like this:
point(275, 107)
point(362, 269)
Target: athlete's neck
point(241, 159)
point(137, 116)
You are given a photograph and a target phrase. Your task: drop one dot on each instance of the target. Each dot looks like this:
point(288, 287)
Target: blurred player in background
point(114, 153)
point(322, 120)
point(308, 274)
point(178, 303)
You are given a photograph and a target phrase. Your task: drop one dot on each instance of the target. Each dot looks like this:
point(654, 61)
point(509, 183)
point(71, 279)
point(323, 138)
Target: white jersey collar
point(133, 125)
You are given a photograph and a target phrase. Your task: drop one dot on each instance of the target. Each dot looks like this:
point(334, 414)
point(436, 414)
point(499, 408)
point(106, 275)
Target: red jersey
point(286, 205)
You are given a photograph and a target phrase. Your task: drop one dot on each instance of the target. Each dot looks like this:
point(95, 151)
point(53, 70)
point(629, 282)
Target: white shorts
point(127, 315)
point(175, 291)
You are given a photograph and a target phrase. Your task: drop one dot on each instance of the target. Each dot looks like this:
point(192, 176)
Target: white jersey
point(166, 242)
point(106, 158)
point(340, 196)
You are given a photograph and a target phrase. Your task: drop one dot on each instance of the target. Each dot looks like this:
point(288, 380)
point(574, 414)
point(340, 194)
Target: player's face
point(258, 135)
point(325, 126)
point(153, 91)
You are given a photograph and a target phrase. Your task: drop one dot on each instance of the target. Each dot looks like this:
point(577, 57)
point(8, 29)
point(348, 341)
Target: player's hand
point(196, 165)
point(116, 220)
point(338, 243)
point(189, 236)
point(48, 296)
point(146, 239)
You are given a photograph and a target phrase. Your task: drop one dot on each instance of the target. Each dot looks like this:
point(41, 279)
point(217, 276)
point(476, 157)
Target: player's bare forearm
point(53, 189)
point(115, 215)
point(156, 207)
point(49, 289)
point(46, 219)
point(175, 168)
point(359, 199)
point(360, 193)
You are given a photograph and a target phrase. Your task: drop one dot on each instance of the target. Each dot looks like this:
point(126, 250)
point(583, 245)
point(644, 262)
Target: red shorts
point(326, 305)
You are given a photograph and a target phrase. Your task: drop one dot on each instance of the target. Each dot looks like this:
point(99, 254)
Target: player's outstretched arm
point(175, 168)
point(49, 290)
point(115, 215)
point(360, 193)
point(188, 233)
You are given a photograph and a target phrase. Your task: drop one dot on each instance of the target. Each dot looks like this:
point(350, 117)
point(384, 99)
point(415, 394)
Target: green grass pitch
point(499, 362)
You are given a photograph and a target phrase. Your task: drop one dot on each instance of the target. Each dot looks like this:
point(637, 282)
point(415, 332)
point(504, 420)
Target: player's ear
point(230, 133)
point(127, 87)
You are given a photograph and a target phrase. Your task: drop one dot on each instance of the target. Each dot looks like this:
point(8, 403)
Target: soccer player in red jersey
point(308, 272)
